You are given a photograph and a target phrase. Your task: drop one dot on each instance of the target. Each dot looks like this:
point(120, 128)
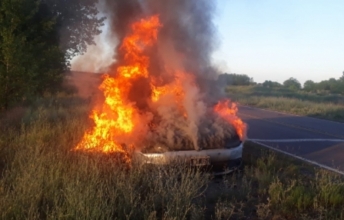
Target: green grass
point(40, 178)
point(324, 106)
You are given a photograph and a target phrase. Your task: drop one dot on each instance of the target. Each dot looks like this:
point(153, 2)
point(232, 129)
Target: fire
point(119, 123)
point(119, 115)
point(174, 89)
point(228, 110)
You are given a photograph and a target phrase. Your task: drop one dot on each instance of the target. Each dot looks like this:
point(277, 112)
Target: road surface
point(315, 140)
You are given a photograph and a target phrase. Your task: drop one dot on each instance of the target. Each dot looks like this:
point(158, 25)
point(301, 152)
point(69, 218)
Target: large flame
point(119, 123)
point(228, 110)
point(119, 116)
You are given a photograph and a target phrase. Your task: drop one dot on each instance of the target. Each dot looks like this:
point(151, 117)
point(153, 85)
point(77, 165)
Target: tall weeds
point(41, 178)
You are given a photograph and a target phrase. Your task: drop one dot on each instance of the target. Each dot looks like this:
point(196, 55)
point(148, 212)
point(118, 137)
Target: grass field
point(326, 106)
point(40, 178)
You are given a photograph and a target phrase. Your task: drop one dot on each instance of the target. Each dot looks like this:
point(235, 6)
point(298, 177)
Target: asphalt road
point(315, 140)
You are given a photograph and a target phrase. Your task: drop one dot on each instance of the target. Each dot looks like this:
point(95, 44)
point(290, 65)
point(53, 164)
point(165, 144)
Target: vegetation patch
point(41, 178)
point(326, 106)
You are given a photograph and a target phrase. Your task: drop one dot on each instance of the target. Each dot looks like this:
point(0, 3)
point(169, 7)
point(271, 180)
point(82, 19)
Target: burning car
point(218, 146)
point(157, 108)
point(221, 160)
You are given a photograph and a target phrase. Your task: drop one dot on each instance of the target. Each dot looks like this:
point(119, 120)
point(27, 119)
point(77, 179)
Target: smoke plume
point(185, 42)
point(187, 38)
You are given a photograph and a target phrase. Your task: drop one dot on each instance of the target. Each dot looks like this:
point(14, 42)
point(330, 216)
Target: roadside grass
point(41, 178)
point(325, 106)
point(286, 93)
point(276, 186)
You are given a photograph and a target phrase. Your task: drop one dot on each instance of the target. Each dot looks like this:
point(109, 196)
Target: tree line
point(334, 86)
point(331, 85)
point(234, 79)
point(38, 39)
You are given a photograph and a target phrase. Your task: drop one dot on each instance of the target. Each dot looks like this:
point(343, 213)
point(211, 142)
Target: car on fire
point(221, 160)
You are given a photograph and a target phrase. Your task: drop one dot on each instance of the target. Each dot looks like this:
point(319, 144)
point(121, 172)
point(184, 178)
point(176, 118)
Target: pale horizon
point(276, 40)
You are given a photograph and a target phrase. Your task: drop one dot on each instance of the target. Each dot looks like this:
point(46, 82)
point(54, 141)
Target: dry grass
point(43, 179)
point(40, 178)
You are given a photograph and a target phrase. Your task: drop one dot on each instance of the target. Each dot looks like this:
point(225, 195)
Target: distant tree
point(332, 85)
point(309, 86)
point(271, 84)
point(267, 83)
point(336, 86)
point(292, 83)
point(342, 77)
point(235, 79)
point(332, 80)
point(324, 85)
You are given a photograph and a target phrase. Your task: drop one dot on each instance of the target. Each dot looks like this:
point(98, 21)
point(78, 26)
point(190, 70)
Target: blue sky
point(275, 39)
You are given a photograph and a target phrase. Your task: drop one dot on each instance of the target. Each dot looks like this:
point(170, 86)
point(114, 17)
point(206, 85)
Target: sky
point(278, 39)
point(266, 40)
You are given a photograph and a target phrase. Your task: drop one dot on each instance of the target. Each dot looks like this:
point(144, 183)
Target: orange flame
point(174, 89)
point(118, 116)
point(118, 123)
point(228, 110)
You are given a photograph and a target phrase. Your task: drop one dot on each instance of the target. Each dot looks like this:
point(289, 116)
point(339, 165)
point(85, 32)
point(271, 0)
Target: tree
point(37, 40)
point(235, 79)
point(292, 83)
point(28, 63)
point(324, 85)
point(76, 24)
point(309, 86)
point(23, 51)
point(271, 84)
